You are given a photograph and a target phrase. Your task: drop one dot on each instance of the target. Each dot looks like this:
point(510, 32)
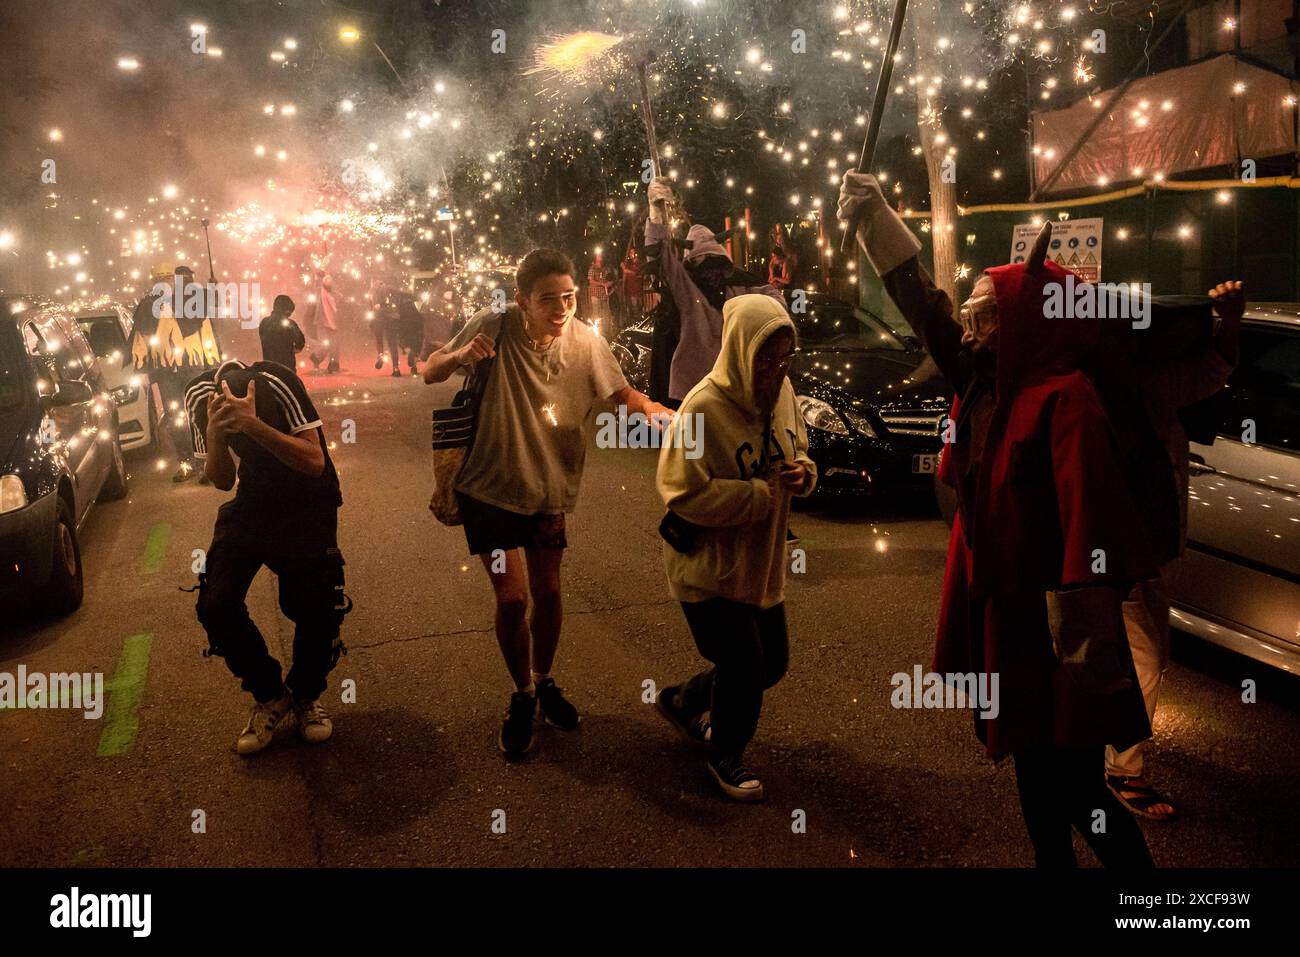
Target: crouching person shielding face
point(256, 430)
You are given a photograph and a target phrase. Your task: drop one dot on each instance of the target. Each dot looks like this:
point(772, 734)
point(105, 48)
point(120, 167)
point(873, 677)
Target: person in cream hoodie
point(726, 531)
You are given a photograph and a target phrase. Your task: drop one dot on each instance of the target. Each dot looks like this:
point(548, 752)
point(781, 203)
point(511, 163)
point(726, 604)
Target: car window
point(105, 337)
point(41, 355)
point(80, 344)
point(73, 354)
point(1265, 388)
point(840, 325)
point(12, 387)
point(60, 352)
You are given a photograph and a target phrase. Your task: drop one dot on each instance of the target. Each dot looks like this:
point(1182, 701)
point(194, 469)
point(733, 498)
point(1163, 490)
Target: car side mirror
point(70, 392)
point(913, 343)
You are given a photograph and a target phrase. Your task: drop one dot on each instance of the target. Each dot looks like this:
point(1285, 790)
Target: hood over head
point(702, 245)
point(1033, 345)
point(748, 321)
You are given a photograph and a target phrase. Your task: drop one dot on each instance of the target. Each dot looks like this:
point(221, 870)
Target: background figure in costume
point(173, 338)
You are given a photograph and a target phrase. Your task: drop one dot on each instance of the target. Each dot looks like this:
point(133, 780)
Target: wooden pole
point(647, 114)
point(877, 110)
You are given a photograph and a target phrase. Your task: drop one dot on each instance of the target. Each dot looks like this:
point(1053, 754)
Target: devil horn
point(1039, 253)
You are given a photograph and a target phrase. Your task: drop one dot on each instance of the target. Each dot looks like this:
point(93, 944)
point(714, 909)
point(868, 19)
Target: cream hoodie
point(740, 553)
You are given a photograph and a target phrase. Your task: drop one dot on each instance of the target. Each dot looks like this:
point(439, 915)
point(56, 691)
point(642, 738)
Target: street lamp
point(350, 34)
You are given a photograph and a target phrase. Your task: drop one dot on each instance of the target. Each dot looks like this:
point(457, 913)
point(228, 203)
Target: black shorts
point(488, 528)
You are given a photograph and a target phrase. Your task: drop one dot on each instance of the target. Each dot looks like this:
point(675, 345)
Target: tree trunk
point(934, 147)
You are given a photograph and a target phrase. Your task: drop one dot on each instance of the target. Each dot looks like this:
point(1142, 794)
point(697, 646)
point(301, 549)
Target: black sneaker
point(517, 730)
point(695, 727)
point(555, 708)
point(379, 362)
point(735, 779)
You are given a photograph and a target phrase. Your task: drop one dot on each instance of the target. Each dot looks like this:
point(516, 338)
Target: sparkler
point(575, 59)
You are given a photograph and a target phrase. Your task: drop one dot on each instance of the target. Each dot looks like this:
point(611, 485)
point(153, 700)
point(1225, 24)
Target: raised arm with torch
point(877, 108)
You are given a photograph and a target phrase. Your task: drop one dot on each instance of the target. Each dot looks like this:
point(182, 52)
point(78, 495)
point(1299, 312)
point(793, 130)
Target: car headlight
point(819, 415)
point(861, 423)
point(12, 494)
point(125, 394)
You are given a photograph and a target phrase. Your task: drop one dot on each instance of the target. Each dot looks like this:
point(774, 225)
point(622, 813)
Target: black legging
point(749, 649)
point(1064, 787)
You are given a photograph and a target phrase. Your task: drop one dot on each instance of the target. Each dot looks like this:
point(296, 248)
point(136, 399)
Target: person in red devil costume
point(1048, 539)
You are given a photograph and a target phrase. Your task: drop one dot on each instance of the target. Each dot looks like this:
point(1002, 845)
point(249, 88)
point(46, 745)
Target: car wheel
point(62, 594)
point(115, 485)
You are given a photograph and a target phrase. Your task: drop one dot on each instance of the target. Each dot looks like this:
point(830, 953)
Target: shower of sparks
point(548, 410)
point(574, 59)
point(1081, 72)
point(253, 225)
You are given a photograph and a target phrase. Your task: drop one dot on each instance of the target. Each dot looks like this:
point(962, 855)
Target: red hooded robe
point(1045, 505)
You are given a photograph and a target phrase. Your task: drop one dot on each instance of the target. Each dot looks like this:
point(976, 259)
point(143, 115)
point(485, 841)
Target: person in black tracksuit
point(285, 516)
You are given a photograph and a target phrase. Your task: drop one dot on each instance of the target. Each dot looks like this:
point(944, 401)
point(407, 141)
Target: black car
point(59, 452)
point(873, 401)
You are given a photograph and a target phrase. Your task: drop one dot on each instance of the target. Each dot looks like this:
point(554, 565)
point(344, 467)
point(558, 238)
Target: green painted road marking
point(155, 548)
point(90, 855)
point(126, 691)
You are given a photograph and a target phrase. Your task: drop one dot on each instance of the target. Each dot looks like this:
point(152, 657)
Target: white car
point(109, 332)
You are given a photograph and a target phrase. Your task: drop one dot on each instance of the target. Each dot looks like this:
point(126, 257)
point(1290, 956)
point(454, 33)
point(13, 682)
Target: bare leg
point(511, 589)
point(548, 613)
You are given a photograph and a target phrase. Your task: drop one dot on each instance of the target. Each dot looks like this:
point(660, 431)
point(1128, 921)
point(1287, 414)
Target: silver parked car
point(1239, 583)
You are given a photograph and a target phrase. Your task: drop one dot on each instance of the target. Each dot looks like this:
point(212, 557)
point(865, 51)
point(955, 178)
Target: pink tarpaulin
point(1209, 114)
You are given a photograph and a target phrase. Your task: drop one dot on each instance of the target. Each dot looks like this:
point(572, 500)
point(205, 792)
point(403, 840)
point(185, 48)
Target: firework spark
point(574, 59)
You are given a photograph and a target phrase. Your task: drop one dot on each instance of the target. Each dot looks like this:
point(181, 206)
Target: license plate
point(924, 464)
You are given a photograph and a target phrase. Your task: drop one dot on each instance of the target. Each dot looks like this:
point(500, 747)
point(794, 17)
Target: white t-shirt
point(531, 441)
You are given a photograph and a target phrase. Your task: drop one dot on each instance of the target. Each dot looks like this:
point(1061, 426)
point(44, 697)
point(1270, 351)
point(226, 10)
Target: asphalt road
point(413, 776)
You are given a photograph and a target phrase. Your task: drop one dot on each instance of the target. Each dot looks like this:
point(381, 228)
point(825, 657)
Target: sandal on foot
point(1140, 797)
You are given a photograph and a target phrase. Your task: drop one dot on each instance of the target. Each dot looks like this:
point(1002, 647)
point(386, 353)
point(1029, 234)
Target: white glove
point(659, 191)
point(858, 190)
point(882, 234)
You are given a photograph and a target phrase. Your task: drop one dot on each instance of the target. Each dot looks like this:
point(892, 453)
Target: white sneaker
point(262, 724)
point(314, 724)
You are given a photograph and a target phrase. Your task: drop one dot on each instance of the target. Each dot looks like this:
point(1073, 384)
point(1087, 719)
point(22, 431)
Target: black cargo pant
point(750, 649)
point(311, 596)
point(171, 385)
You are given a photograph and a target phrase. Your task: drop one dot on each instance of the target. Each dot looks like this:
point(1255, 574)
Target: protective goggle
point(979, 315)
